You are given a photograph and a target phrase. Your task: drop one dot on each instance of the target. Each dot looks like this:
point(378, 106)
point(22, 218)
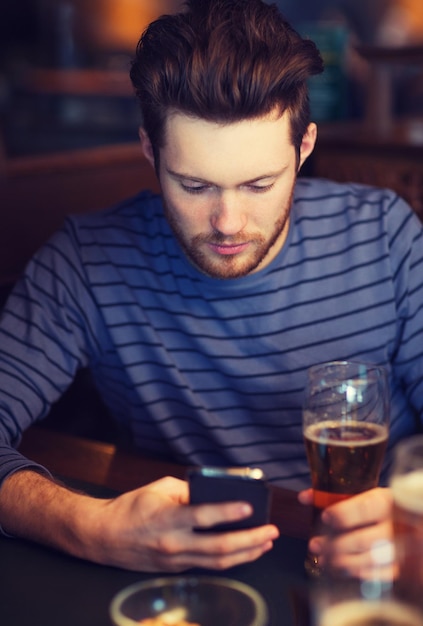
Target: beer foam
point(370, 613)
point(407, 490)
point(313, 432)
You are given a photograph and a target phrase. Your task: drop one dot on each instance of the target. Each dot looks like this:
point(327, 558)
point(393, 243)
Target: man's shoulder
point(143, 206)
point(317, 198)
point(324, 208)
point(325, 190)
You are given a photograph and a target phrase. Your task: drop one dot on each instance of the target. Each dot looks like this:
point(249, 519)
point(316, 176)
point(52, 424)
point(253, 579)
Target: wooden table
point(42, 586)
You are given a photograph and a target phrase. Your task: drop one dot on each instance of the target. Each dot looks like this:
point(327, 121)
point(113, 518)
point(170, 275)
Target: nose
point(229, 216)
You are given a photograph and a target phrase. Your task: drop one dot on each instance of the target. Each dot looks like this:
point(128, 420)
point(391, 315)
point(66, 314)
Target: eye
point(261, 188)
point(194, 188)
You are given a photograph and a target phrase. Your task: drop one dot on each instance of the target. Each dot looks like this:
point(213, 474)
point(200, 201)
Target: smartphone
point(216, 484)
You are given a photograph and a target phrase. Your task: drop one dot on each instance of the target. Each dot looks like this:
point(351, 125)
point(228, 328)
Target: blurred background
point(69, 119)
point(64, 64)
point(64, 71)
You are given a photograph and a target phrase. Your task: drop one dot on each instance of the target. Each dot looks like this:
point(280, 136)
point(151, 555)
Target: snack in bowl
point(175, 617)
point(157, 621)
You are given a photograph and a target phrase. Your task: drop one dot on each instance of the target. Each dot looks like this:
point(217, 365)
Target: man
point(200, 313)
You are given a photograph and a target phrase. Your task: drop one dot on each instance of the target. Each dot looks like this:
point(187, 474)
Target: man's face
point(227, 190)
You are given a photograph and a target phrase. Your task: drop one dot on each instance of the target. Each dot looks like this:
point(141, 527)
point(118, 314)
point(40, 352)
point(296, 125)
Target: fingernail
point(246, 510)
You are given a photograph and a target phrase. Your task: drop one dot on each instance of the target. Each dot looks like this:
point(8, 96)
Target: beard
point(232, 265)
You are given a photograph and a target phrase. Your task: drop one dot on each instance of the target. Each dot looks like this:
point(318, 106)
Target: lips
point(228, 249)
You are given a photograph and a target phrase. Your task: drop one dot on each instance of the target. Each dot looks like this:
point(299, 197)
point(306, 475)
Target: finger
point(222, 543)
point(365, 508)
point(208, 515)
point(222, 561)
point(223, 550)
point(362, 540)
point(358, 552)
point(175, 488)
point(355, 542)
point(377, 563)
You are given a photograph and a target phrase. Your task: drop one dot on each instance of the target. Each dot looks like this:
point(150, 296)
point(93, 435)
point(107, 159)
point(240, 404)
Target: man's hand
point(148, 529)
point(151, 529)
point(359, 533)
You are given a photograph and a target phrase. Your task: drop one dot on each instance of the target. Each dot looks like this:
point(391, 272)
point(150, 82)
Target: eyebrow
point(181, 176)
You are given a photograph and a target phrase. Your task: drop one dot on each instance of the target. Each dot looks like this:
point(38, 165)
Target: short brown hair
point(223, 61)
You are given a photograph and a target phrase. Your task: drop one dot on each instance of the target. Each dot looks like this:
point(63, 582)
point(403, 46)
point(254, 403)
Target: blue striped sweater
point(207, 371)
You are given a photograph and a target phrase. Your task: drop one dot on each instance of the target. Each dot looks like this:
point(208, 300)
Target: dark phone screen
point(214, 489)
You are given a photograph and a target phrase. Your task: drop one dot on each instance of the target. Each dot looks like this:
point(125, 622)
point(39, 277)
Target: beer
point(345, 458)
point(370, 613)
point(407, 491)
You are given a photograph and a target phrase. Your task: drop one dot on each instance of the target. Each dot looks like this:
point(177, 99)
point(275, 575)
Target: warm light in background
point(402, 24)
point(413, 12)
point(118, 24)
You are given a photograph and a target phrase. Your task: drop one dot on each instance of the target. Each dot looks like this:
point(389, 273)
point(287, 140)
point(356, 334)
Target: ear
point(146, 146)
point(308, 142)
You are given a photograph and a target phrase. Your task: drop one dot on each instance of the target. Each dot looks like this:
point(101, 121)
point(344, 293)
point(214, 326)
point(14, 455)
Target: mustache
point(221, 238)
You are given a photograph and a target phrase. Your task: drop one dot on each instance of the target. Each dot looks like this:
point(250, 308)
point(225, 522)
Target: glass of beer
point(406, 483)
point(345, 428)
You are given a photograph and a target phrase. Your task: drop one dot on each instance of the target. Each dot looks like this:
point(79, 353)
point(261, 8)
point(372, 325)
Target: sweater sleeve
point(46, 335)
